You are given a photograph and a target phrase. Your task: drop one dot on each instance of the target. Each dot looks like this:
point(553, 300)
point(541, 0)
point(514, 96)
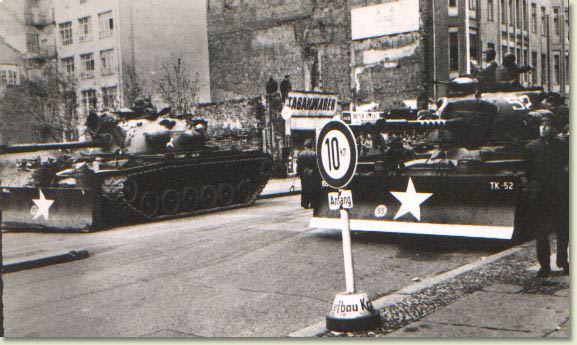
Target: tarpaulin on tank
point(67, 209)
point(467, 206)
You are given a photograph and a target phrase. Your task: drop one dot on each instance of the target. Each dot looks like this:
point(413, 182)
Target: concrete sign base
point(352, 312)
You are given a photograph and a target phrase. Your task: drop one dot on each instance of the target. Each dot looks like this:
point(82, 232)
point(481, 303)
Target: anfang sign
point(343, 198)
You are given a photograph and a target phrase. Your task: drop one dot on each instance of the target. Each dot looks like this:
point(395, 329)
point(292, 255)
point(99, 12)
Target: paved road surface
point(257, 271)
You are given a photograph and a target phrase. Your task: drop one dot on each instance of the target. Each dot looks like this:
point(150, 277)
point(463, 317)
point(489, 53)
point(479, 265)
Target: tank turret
point(155, 133)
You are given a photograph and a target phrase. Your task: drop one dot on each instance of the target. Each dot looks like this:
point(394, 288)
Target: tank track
point(115, 209)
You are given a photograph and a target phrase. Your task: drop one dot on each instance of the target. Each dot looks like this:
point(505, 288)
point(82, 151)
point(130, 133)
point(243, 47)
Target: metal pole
point(347, 254)
point(434, 51)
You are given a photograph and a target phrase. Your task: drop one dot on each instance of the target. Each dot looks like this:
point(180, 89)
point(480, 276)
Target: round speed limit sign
point(336, 154)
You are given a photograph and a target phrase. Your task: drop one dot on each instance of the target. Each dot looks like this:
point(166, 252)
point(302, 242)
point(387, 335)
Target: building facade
point(385, 51)
point(530, 29)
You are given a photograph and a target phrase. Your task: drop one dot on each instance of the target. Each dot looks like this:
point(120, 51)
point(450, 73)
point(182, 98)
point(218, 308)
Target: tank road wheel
point(170, 201)
point(190, 199)
point(225, 194)
point(130, 190)
point(208, 196)
point(243, 191)
point(150, 204)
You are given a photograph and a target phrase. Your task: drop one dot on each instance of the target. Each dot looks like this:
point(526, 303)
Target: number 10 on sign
point(336, 154)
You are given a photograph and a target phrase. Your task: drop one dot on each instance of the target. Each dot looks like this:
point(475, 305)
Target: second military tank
point(458, 171)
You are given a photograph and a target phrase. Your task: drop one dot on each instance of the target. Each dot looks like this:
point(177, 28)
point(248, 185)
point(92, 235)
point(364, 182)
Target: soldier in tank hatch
point(507, 74)
point(487, 76)
point(548, 186)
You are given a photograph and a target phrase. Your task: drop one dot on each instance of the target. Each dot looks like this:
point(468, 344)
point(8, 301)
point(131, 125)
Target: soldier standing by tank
point(487, 76)
point(309, 175)
point(285, 87)
point(507, 75)
point(548, 183)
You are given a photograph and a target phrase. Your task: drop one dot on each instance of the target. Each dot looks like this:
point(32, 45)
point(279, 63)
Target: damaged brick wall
point(390, 68)
point(236, 124)
point(251, 40)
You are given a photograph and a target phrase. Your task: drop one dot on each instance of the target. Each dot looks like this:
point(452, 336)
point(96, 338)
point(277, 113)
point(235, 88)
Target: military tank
point(138, 166)
point(458, 171)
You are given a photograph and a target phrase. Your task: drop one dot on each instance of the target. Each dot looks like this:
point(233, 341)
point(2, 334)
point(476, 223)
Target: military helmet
point(508, 58)
point(547, 116)
point(490, 53)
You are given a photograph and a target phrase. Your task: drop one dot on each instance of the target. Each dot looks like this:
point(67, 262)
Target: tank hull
point(156, 187)
point(480, 206)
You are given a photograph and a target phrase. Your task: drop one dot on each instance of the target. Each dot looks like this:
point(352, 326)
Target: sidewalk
point(281, 187)
point(503, 298)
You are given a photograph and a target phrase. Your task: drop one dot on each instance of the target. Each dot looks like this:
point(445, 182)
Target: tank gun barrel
point(5, 149)
point(402, 125)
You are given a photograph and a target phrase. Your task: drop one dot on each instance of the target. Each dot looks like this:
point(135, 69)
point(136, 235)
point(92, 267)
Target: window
point(490, 11)
point(525, 15)
point(453, 50)
point(503, 12)
point(566, 68)
point(556, 26)
point(87, 65)
point(32, 42)
point(543, 21)
point(534, 18)
point(518, 7)
point(66, 33)
point(491, 45)
point(68, 64)
point(526, 62)
point(511, 13)
point(107, 61)
point(109, 97)
point(84, 27)
point(9, 75)
point(472, 4)
point(83, 1)
point(473, 47)
point(556, 69)
point(106, 24)
point(543, 68)
point(452, 3)
point(89, 100)
point(534, 63)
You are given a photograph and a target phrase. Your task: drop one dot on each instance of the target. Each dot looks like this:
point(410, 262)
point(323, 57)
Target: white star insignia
point(43, 205)
point(410, 201)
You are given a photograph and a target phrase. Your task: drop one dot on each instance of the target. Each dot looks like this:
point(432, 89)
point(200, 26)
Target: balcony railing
point(37, 19)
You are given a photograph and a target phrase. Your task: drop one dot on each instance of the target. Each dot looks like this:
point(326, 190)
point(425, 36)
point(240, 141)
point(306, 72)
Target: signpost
point(336, 152)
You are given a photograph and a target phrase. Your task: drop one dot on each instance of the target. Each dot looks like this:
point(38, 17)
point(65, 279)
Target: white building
point(101, 41)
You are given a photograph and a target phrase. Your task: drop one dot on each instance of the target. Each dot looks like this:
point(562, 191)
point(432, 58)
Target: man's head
point(287, 76)
point(509, 59)
point(550, 124)
point(309, 143)
point(489, 55)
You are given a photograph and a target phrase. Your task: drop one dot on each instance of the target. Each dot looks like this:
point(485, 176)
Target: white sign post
point(337, 155)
